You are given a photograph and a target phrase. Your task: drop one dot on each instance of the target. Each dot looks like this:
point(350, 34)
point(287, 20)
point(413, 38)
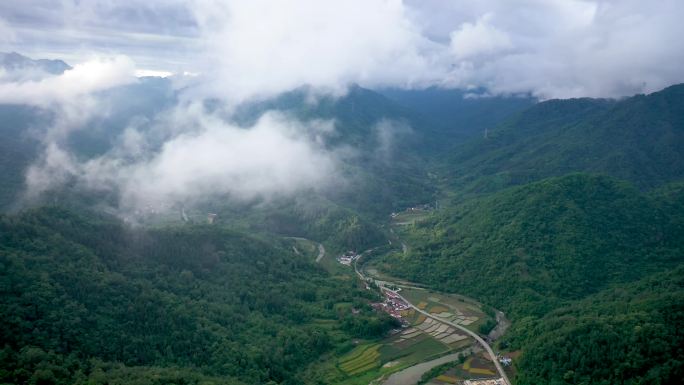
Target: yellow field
point(447, 379)
point(422, 305)
point(360, 359)
point(438, 309)
point(466, 366)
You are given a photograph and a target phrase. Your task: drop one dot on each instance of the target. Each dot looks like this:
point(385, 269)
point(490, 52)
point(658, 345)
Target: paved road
point(477, 338)
point(482, 342)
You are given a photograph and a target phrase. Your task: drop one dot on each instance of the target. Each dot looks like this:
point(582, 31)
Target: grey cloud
point(552, 48)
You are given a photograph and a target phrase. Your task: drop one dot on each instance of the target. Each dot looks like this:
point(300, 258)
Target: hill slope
point(627, 334)
point(589, 270)
point(459, 114)
point(86, 299)
point(639, 139)
point(528, 249)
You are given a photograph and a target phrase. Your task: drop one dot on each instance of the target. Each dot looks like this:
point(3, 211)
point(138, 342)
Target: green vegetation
point(529, 248)
point(561, 258)
point(628, 334)
point(360, 359)
point(86, 298)
point(434, 372)
point(638, 139)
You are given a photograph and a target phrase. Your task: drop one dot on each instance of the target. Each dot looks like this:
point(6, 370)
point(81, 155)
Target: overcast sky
point(553, 48)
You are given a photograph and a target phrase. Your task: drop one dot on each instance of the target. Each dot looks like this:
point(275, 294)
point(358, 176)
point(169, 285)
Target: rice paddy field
point(477, 366)
point(423, 340)
point(452, 307)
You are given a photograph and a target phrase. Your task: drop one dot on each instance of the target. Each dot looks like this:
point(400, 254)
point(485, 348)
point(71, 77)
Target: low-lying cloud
point(275, 157)
point(82, 80)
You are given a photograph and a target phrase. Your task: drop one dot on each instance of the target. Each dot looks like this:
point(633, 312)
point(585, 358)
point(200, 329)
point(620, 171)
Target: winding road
point(477, 338)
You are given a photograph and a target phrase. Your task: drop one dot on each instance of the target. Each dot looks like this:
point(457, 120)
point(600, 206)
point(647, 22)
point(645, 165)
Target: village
point(348, 258)
point(393, 305)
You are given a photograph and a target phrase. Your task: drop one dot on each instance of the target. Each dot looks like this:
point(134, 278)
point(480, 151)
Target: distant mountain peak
point(16, 62)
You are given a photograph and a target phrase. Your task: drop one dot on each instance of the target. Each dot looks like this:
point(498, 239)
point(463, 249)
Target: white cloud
point(261, 48)
point(553, 48)
point(71, 96)
point(479, 38)
point(84, 79)
point(246, 50)
point(568, 48)
point(274, 157)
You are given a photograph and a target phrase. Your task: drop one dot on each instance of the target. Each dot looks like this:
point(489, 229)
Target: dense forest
point(638, 139)
point(87, 299)
point(528, 248)
point(588, 268)
point(627, 334)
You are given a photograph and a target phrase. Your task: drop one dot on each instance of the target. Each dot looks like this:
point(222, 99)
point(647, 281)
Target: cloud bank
point(551, 48)
point(257, 49)
point(274, 157)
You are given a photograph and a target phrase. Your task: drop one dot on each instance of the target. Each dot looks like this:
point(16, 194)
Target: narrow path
point(321, 252)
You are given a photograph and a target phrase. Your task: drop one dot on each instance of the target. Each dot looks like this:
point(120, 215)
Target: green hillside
point(639, 139)
point(528, 248)
point(87, 299)
point(588, 268)
point(628, 334)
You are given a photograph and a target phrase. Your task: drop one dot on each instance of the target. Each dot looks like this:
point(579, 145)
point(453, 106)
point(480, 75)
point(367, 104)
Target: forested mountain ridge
point(543, 243)
point(459, 114)
point(638, 139)
point(15, 62)
point(589, 269)
point(626, 334)
point(84, 295)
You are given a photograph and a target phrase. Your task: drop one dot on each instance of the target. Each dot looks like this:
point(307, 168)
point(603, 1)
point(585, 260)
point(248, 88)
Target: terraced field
point(361, 359)
point(452, 307)
point(475, 367)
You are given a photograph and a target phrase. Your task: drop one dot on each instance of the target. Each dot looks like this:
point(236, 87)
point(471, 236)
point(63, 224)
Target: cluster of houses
point(415, 209)
point(393, 305)
point(347, 258)
point(211, 218)
point(505, 361)
point(486, 381)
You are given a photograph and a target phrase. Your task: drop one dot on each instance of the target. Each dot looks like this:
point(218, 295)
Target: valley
point(548, 251)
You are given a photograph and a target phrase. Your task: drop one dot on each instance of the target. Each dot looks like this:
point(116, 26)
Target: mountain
point(15, 63)
point(459, 114)
point(639, 139)
point(588, 268)
point(88, 299)
point(627, 334)
point(18, 148)
point(21, 128)
point(530, 248)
